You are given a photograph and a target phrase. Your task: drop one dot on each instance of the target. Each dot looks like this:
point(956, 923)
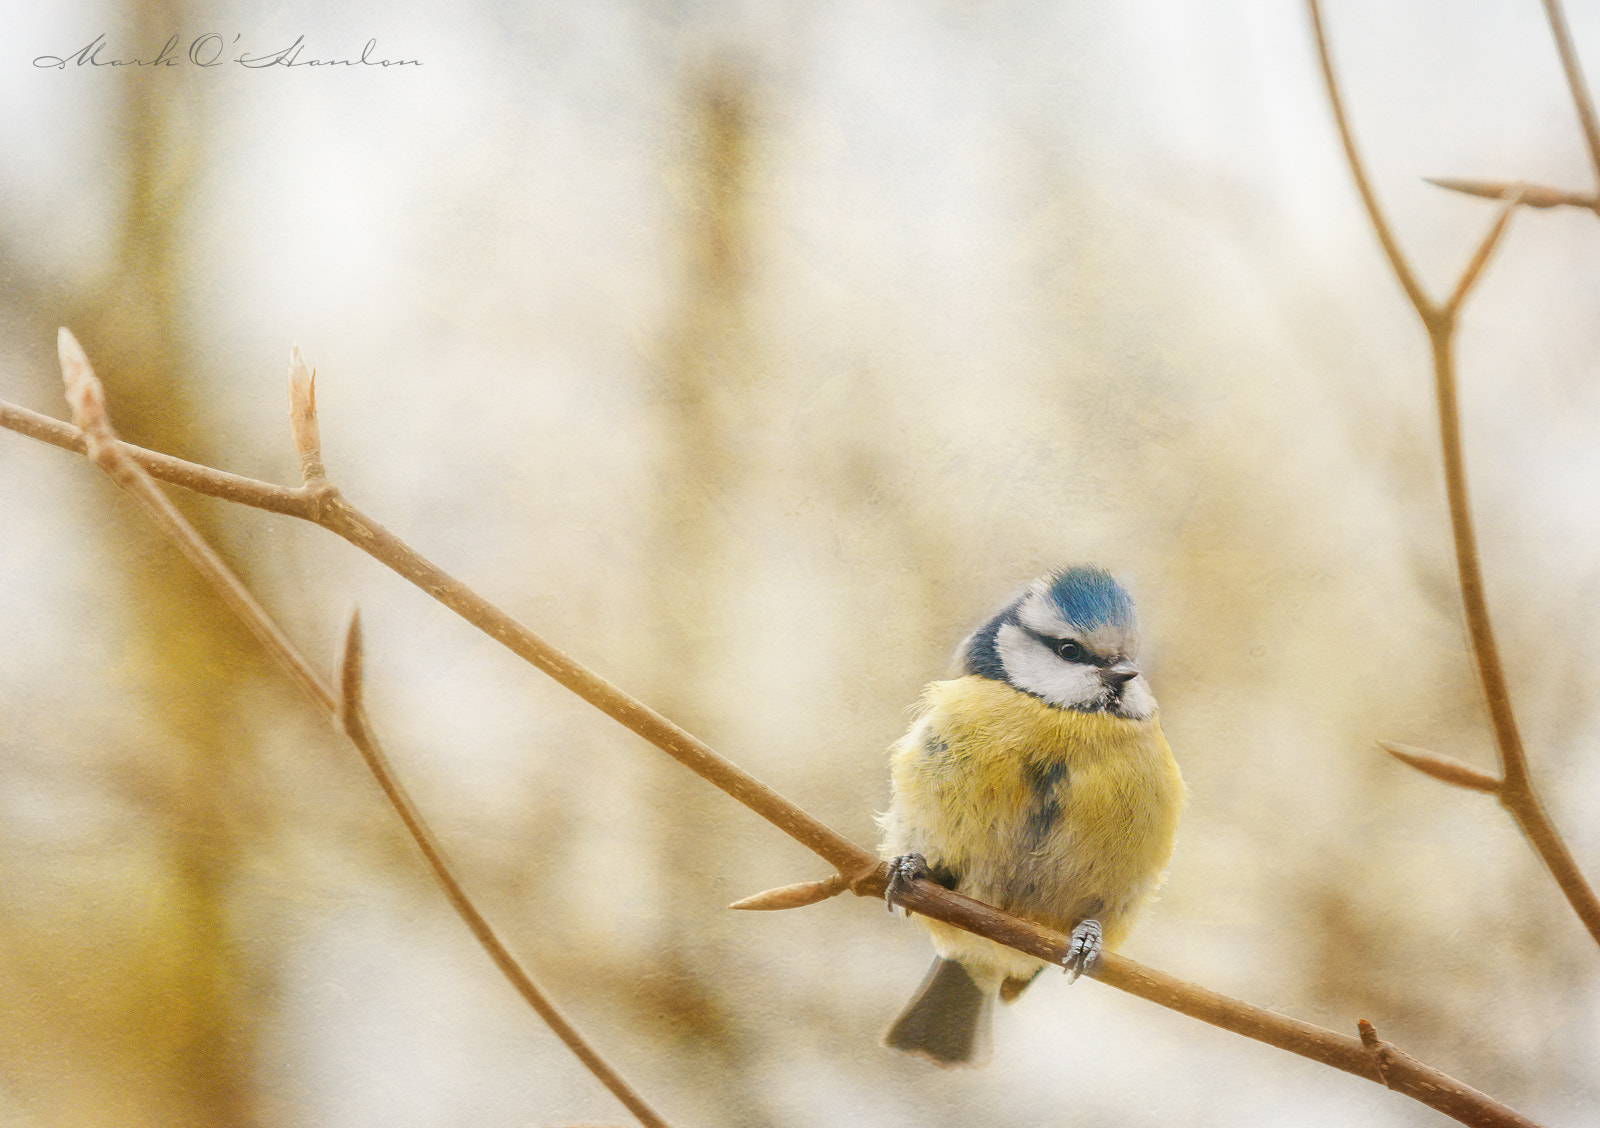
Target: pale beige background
point(751, 352)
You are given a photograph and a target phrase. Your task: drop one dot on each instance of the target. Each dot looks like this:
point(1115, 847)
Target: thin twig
point(163, 467)
point(1480, 257)
point(1447, 769)
point(1533, 195)
point(1516, 791)
point(1579, 89)
point(352, 717)
point(322, 504)
point(87, 397)
point(796, 896)
point(1380, 225)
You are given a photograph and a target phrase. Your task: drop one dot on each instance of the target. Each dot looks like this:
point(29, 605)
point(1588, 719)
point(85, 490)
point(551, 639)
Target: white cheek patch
point(1034, 669)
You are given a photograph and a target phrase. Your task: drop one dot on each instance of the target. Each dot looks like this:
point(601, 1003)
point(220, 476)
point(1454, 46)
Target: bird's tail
point(948, 1021)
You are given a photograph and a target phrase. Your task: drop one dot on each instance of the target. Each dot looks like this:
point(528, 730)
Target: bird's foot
point(1084, 950)
point(903, 870)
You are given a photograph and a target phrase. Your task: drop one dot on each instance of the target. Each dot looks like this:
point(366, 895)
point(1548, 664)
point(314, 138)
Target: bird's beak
point(1118, 675)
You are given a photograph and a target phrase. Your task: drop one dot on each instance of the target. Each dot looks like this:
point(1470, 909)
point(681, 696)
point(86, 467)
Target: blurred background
point(752, 352)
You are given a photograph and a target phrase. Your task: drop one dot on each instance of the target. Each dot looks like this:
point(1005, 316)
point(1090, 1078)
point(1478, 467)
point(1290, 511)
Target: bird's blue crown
point(1088, 598)
point(1084, 596)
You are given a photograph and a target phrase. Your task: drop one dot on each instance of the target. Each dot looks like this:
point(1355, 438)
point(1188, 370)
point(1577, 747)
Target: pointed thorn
point(350, 668)
point(1441, 767)
point(1488, 189)
point(795, 896)
point(1533, 195)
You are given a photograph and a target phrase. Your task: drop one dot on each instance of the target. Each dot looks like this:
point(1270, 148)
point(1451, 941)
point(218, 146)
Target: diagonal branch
point(859, 870)
point(164, 467)
point(1538, 196)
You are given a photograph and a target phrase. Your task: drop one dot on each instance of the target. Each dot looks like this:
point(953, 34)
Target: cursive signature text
point(214, 50)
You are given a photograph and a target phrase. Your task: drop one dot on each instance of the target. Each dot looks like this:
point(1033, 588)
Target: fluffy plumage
point(1038, 781)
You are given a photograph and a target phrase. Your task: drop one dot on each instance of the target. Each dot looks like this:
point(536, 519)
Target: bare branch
point(1405, 1074)
point(163, 467)
point(1516, 792)
point(1523, 802)
point(324, 505)
point(1399, 1072)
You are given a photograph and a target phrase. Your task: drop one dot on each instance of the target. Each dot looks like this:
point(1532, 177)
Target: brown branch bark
point(1398, 1071)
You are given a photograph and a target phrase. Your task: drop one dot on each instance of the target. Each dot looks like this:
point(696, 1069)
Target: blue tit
point(1037, 781)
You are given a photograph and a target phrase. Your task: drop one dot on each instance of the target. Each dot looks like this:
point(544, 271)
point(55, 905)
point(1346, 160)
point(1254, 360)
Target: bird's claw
point(1083, 952)
point(903, 870)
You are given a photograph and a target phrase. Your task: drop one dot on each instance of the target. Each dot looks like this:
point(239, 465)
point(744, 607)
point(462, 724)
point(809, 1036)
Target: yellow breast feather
point(1053, 814)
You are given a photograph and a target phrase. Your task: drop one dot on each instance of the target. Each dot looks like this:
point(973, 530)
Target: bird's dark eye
point(1070, 650)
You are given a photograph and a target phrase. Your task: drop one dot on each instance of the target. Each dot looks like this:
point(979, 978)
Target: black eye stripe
point(1084, 656)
